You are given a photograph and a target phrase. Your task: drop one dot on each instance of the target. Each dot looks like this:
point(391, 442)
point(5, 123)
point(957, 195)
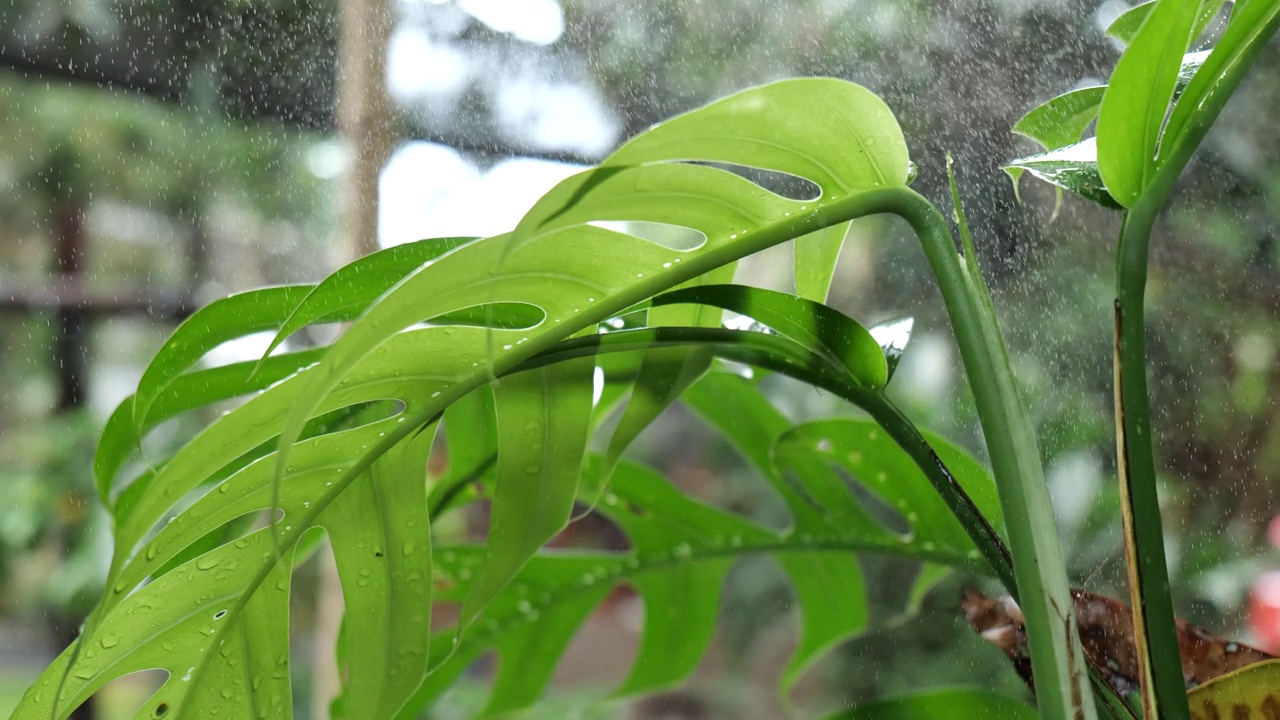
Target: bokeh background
point(155, 155)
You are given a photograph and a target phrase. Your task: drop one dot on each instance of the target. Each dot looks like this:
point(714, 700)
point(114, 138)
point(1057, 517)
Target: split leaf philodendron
point(490, 351)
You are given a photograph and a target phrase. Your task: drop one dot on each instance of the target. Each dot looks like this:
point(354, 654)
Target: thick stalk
point(1154, 632)
point(1056, 658)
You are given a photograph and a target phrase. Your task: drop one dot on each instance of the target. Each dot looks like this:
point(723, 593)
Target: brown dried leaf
point(1106, 633)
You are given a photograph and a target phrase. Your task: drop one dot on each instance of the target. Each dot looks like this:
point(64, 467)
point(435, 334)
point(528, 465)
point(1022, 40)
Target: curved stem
point(1057, 660)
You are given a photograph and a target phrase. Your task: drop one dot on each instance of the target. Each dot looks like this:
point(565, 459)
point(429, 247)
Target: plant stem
point(1056, 658)
point(1154, 633)
point(1159, 664)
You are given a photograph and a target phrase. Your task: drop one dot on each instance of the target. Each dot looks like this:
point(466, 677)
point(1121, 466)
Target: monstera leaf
point(336, 439)
point(682, 549)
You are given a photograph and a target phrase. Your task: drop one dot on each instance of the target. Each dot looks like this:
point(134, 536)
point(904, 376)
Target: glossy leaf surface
point(1137, 99)
point(682, 549)
point(372, 398)
point(1074, 168)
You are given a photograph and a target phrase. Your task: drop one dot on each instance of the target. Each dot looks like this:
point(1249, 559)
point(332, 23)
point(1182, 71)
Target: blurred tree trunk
point(365, 128)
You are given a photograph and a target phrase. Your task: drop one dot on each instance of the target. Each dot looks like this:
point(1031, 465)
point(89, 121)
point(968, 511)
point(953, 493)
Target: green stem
point(1057, 661)
point(1144, 538)
point(1153, 618)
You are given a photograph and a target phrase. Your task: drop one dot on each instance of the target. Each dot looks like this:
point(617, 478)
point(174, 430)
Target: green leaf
point(1073, 168)
point(542, 416)
point(833, 582)
point(665, 373)
point(572, 274)
point(218, 623)
point(942, 705)
point(349, 291)
point(681, 551)
point(836, 134)
point(122, 437)
point(1057, 125)
point(471, 433)
point(835, 336)
point(385, 569)
point(1125, 27)
point(553, 260)
point(1137, 100)
point(1250, 28)
point(222, 320)
point(816, 255)
point(1062, 121)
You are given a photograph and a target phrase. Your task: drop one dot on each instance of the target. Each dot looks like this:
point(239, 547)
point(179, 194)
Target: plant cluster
point(531, 361)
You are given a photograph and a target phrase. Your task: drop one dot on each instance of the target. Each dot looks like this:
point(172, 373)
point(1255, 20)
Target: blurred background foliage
point(155, 155)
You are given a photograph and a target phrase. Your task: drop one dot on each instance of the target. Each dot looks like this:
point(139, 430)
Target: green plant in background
point(1151, 118)
point(489, 351)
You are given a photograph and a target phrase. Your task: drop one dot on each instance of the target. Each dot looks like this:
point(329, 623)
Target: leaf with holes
point(682, 550)
point(374, 395)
